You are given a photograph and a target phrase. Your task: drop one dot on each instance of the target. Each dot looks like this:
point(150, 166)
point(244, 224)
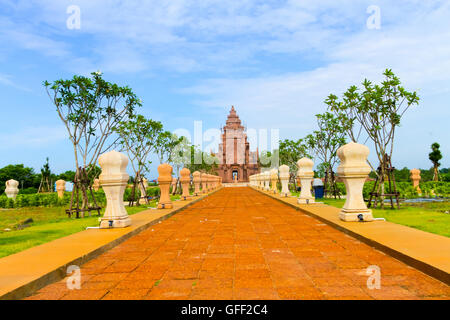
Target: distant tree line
point(29, 180)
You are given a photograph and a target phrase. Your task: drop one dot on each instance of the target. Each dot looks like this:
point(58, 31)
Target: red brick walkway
point(240, 244)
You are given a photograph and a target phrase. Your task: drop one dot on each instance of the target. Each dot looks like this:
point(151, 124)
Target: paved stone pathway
point(240, 244)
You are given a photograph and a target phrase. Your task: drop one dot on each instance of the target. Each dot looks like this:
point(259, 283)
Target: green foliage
point(139, 136)
point(435, 154)
point(290, 151)
point(429, 189)
point(91, 108)
point(68, 176)
point(202, 161)
point(166, 144)
point(18, 172)
point(376, 111)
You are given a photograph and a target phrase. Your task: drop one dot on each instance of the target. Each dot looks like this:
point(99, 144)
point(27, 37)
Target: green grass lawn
point(49, 223)
point(430, 217)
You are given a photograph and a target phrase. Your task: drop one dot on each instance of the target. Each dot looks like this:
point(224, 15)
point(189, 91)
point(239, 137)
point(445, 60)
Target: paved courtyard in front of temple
point(240, 244)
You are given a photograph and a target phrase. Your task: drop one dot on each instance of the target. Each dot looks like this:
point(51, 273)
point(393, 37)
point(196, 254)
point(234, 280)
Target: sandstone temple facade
point(236, 162)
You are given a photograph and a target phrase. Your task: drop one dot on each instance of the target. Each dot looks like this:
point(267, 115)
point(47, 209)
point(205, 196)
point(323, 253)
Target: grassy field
point(430, 217)
point(49, 223)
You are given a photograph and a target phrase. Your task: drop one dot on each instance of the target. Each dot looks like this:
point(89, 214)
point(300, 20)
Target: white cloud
point(34, 137)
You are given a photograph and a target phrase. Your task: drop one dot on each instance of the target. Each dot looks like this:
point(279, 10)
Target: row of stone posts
point(114, 180)
point(203, 183)
point(353, 170)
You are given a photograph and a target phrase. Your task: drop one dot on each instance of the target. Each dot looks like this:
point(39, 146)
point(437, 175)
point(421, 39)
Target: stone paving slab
point(241, 244)
point(425, 251)
point(27, 271)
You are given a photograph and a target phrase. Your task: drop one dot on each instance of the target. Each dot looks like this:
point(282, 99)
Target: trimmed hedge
point(429, 189)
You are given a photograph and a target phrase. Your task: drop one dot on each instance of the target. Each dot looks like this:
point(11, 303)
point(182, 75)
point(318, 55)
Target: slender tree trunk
point(436, 173)
point(382, 185)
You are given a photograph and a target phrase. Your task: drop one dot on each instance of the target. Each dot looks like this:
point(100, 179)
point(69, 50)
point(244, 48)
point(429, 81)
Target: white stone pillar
point(306, 175)
point(267, 181)
point(12, 188)
point(113, 179)
point(173, 183)
point(164, 180)
point(284, 178)
point(96, 184)
point(185, 180)
point(60, 188)
point(354, 170)
point(204, 183)
point(196, 178)
point(274, 180)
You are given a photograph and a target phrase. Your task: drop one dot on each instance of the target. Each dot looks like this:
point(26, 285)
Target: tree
point(138, 137)
point(90, 108)
point(324, 143)
point(18, 172)
point(434, 157)
point(165, 145)
point(68, 175)
point(181, 154)
point(46, 184)
point(290, 151)
point(377, 112)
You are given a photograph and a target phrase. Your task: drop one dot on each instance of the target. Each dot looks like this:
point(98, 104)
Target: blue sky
point(275, 61)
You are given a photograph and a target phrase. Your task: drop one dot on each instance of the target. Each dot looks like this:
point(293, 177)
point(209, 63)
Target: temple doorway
point(235, 175)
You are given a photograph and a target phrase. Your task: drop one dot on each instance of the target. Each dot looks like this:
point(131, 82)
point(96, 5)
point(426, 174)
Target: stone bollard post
point(114, 178)
point(209, 183)
point(306, 175)
point(173, 183)
point(274, 180)
point(96, 184)
point(203, 181)
point(415, 178)
point(284, 178)
point(197, 181)
point(354, 170)
point(164, 181)
point(185, 179)
point(267, 181)
point(145, 183)
point(12, 188)
point(60, 188)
